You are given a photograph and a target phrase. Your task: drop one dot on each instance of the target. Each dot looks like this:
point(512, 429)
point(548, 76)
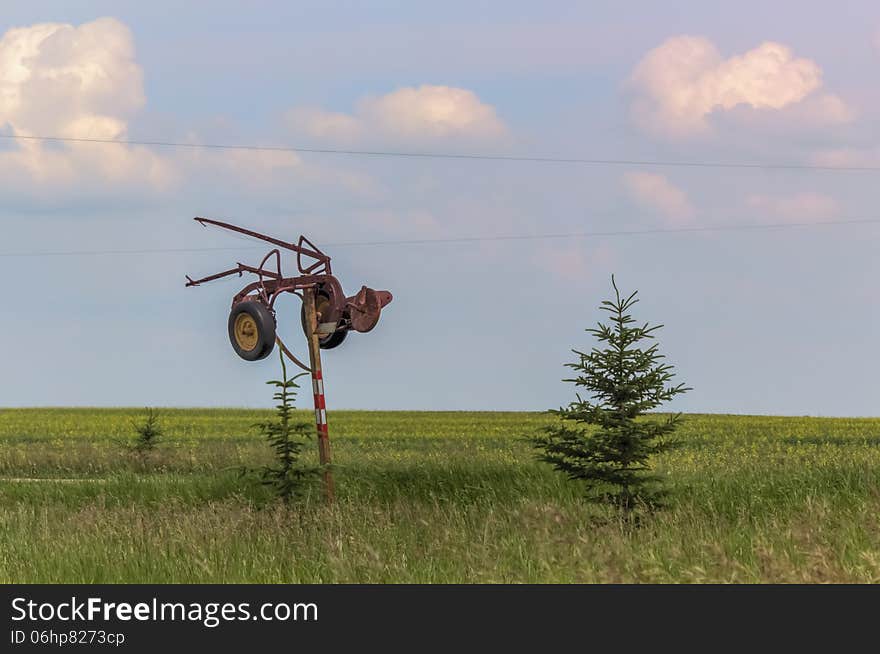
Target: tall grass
point(430, 497)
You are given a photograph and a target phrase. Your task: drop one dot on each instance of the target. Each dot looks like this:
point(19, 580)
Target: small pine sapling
point(287, 439)
point(148, 432)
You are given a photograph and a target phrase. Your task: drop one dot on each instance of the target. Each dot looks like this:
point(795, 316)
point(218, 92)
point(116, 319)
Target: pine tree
point(606, 441)
point(149, 432)
point(287, 439)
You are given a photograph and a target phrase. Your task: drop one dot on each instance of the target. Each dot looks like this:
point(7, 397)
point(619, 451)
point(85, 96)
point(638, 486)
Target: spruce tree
point(287, 439)
point(606, 441)
point(149, 432)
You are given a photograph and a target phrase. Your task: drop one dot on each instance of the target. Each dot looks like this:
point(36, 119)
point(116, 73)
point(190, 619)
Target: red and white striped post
point(320, 403)
point(318, 391)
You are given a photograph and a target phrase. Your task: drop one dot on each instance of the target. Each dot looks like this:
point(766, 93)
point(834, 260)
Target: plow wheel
point(251, 330)
point(328, 342)
point(333, 340)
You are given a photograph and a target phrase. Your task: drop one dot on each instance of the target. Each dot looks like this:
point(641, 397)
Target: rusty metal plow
point(252, 320)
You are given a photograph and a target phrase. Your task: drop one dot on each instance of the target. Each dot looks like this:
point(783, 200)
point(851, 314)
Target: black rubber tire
point(334, 340)
point(265, 324)
point(327, 342)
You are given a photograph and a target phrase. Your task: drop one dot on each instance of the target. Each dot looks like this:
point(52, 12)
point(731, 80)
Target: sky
point(763, 321)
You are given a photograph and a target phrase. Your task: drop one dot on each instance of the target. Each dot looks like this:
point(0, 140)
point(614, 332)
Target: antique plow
point(327, 314)
point(252, 321)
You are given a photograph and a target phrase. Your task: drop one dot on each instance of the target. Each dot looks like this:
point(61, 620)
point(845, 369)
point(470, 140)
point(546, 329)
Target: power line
point(636, 232)
point(73, 253)
point(450, 155)
point(465, 239)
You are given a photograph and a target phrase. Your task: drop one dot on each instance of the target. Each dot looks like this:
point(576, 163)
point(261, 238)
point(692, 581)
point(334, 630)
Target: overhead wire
point(452, 155)
point(468, 239)
point(447, 155)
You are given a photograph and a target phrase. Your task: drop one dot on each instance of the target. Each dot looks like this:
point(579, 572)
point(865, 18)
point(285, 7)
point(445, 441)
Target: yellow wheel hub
point(246, 332)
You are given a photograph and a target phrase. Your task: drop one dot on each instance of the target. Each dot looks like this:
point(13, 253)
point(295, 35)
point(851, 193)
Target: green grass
point(430, 497)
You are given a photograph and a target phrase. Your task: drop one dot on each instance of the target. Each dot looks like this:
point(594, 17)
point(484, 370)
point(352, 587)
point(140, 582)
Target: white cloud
point(61, 80)
point(436, 111)
point(324, 124)
point(804, 206)
point(423, 113)
point(679, 84)
point(824, 109)
point(655, 192)
point(84, 82)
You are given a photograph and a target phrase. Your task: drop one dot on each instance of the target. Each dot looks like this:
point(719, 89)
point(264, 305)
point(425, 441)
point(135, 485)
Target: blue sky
point(780, 321)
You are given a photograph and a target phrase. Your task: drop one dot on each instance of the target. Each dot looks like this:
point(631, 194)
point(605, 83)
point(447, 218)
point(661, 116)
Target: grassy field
point(430, 497)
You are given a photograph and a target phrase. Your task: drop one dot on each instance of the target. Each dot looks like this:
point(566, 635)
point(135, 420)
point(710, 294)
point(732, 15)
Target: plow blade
point(363, 309)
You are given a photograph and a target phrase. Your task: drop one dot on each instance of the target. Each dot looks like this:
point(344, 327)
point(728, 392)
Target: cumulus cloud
point(61, 80)
point(804, 206)
point(655, 192)
point(84, 82)
point(824, 109)
point(682, 82)
point(324, 124)
point(423, 113)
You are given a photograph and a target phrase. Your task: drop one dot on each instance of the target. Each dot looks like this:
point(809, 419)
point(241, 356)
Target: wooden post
point(318, 391)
